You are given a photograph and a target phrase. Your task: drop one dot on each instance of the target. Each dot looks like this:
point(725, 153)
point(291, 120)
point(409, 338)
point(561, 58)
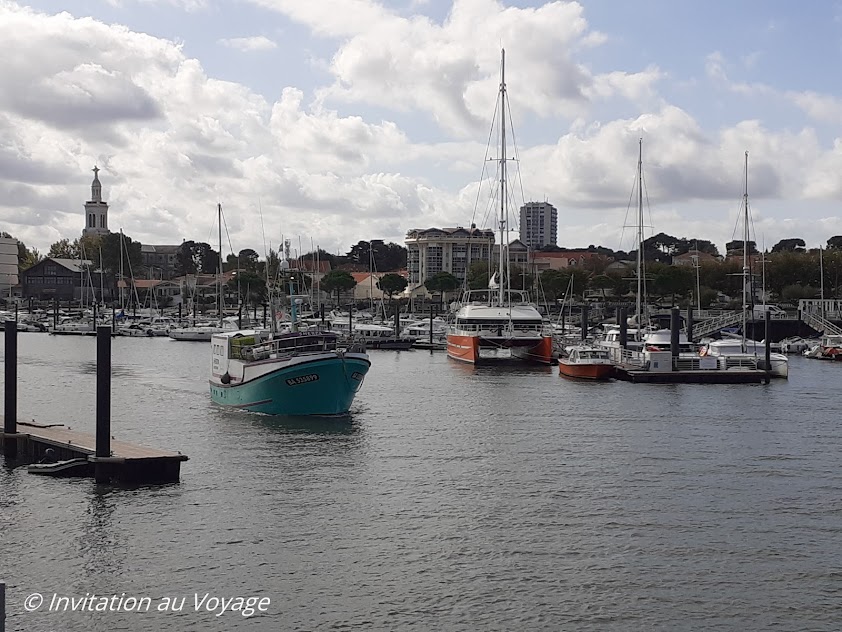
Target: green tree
point(477, 277)
point(835, 242)
point(196, 258)
point(790, 245)
point(441, 282)
point(116, 247)
point(64, 249)
point(26, 257)
point(384, 257)
point(672, 281)
point(520, 279)
point(249, 259)
point(250, 286)
point(392, 284)
point(338, 281)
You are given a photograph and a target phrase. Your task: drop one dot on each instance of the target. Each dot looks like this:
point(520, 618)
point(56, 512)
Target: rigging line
point(516, 160)
point(485, 159)
point(628, 208)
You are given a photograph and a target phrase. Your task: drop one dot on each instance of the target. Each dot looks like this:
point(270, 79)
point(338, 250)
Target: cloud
point(173, 141)
point(249, 44)
point(446, 72)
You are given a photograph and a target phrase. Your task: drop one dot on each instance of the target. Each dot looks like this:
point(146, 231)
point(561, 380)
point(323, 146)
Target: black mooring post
point(240, 317)
point(322, 312)
point(103, 402)
point(690, 323)
point(584, 321)
point(2, 607)
point(431, 325)
point(624, 328)
point(10, 405)
point(675, 324)
point(397, 321)
point(768, 345)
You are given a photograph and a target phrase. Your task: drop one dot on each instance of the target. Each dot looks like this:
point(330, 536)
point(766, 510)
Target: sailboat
point(740, 352)
point(291, 373)
point(499, 323)
point(204, 332)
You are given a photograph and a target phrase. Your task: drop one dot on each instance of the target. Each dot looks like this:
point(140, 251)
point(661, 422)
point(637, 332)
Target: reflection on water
point(452, 497)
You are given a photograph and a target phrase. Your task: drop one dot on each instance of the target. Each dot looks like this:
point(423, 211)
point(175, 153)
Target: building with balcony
point(453, 250)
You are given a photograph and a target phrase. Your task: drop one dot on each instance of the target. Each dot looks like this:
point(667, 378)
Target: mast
point(745, 256)
point(821, 274)
point(122, 278)
point(220, 300)
point(640, 260)
point(504, 273)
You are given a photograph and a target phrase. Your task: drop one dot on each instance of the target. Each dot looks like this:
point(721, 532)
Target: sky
point(328, 122)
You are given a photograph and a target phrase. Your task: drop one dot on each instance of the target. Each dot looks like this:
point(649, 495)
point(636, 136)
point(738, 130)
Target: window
point(91, 220)
point(102, 221)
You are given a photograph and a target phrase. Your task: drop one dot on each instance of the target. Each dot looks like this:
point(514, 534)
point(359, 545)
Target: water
point(455, 498)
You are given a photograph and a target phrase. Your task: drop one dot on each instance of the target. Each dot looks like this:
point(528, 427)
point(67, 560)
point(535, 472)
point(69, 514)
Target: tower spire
point(96, 186)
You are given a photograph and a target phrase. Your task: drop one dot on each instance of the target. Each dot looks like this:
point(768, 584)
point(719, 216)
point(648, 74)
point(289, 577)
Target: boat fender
point(226, 378)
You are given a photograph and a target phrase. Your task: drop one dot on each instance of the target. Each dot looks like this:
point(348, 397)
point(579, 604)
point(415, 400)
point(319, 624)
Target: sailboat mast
point(639, 236)
point(504, 273)
point(745, 256)
point(219, 276)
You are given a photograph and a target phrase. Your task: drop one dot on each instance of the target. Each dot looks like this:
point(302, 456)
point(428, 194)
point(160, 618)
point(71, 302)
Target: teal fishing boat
point(297, 373)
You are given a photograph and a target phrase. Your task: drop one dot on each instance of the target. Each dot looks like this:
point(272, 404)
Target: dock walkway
point(128, 462)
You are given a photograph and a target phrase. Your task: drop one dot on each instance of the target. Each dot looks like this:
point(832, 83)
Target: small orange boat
point(588, 363)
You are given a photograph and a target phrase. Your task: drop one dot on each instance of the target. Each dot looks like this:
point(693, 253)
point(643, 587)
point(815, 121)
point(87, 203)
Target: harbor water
point(453, 498)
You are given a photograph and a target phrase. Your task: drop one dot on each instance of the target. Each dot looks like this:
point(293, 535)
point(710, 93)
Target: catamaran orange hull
point(467, 349)
point(586, 371)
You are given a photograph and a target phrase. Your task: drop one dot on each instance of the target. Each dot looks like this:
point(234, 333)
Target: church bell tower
point(96, 211)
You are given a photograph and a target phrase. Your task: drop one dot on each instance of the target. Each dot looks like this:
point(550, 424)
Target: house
point(160, 261)
point(691, 257)
point(62, 279)
point(562, 259)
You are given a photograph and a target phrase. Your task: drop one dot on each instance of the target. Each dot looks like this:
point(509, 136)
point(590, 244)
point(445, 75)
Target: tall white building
point(96, 211)
point(538, 224)
point(453, 250)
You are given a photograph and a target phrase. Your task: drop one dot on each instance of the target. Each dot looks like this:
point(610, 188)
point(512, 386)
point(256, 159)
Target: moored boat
point(586, 362)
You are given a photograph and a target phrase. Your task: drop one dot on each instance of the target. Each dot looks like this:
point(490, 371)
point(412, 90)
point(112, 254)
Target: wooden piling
point(10, 405)
point(103, 404)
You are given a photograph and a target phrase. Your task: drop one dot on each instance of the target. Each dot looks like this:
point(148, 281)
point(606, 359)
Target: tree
point(520, 280)
point(248, 259)
point(790, 245)
point(391, 284)
point(477, 277)
point(196, 258)
point(64, 249)
point(383, 256)
point(736, 246)
point(835, 242)
point(26, 257)
point(672, 280)
point(117, 248)
point(338, 281)
point(250, 286)
point(442, 282)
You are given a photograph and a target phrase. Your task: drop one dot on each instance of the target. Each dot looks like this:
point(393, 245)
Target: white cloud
point(249, 44)
point(173, 141)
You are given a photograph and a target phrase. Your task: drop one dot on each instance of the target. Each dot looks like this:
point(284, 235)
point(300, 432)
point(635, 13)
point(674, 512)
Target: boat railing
point(252, 350)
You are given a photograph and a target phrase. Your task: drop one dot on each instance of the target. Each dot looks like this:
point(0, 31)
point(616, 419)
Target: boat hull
point(321, 387)
point(469, 348)
point(586, 371)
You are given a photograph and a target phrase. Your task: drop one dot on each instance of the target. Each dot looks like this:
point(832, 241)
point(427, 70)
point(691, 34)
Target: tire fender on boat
point(226, 378)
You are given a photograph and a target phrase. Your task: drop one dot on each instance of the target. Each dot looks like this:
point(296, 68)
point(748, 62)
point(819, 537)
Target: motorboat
point(586, 362)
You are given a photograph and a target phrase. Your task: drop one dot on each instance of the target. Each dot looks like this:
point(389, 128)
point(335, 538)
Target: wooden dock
point(636, 374)
point(128, 462)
